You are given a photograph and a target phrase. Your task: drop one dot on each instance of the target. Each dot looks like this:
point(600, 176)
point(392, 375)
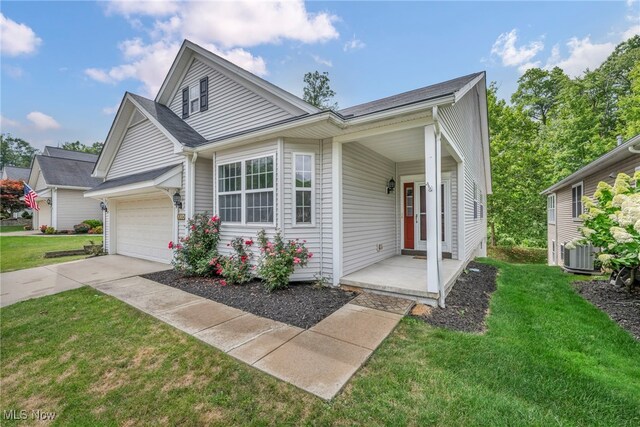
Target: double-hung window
point(551, 209)
point(230, 192)
point(576, 201)
point(259, 190)
point(303, 187)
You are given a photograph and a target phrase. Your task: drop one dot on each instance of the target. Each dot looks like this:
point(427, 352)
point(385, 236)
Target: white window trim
point(581, 185)
point(555, 210)
point(243, 191)
point(294, 189)
point(197, 88)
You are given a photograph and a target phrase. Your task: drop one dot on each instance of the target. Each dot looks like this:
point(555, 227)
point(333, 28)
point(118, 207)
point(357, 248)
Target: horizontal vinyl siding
point(551, 236)
point(461, 122)
point(369, 213)
point(204, 185)
point(303, 232)
point(567, 226)
point(143, 148)
point(232, 107)
point(40, 182)
point(106, 231)
point(73, 208)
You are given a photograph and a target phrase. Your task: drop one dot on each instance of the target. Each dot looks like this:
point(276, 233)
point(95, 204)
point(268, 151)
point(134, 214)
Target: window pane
point(260, 207)
point(229, 177)
point(303, 206)
point(259, 173)
point(230, 207)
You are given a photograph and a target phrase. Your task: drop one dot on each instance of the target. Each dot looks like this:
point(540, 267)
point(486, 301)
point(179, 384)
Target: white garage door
point(144, 228)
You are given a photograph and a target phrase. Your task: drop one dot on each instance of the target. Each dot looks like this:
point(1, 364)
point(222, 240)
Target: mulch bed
point(468, 302)
point(621, 306)
point(301, 304)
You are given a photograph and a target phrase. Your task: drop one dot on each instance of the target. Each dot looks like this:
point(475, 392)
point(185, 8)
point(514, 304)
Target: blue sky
point(65, 65)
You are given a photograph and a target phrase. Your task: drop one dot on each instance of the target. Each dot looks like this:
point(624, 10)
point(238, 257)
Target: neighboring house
point(232, 144)
point(564, 203)
point(15, 174)
point(60, 177)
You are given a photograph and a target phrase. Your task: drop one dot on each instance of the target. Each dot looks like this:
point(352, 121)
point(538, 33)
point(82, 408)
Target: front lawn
point(18, 252)
point(548, 357)
point(10, 228)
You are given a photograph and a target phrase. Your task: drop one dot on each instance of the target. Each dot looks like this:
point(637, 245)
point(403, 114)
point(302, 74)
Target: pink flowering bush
point(278, 259)
point(612, 223)
point(236, 269)
point(193, 254)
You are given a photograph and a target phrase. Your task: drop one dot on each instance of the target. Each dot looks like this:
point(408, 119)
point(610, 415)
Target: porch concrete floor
point(402, 274)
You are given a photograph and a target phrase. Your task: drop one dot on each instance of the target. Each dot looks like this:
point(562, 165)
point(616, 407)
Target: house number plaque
point(181, 217)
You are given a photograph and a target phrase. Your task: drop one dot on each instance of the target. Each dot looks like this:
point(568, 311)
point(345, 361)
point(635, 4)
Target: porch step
point(384, 303)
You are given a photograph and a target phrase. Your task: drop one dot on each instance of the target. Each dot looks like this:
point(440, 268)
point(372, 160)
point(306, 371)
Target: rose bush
point(612, 223)
point(193, 254)
point(236, 269)
point(278, 259)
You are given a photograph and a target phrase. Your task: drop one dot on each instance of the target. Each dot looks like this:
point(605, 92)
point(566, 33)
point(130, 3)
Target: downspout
point(441, 289)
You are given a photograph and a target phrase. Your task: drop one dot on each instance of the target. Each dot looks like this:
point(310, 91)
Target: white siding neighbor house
point(389, 195)
point(60, 177)
point(564, 204)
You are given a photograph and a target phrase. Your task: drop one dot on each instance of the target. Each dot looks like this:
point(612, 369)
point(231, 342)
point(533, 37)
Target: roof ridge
point(65, 158)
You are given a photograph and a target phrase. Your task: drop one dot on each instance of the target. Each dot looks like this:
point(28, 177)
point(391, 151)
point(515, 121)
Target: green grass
point(9, 228)
point(18, 252)
point(547, 358)
point(518, 254)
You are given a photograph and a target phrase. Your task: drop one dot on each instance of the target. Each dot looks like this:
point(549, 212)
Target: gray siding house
point(389, 195)
point(60, 177)
point(564, 204)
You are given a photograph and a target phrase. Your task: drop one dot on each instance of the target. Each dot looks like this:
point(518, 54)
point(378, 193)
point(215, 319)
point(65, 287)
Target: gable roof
point(183, 59)
point(133, 178)
point(69, 154)
point(621, 152)
point(16, 174)
point(173, 124)
point(58, 171)
point(438, 90)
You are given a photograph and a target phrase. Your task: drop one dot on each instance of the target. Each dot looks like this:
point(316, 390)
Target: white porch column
point(432, 176)
point(54, 208)
point(336, 210)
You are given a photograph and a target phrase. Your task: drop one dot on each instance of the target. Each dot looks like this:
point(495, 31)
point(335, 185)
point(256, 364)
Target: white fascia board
point(166, 180)
point(411, 108)
point(99, 170)
point(466, 88)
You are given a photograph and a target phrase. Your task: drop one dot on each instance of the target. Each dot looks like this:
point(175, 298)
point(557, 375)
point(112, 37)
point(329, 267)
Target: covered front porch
point(403, 190)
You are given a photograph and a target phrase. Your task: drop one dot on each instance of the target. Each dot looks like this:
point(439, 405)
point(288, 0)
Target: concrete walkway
point(48, 280)
point(319, 360)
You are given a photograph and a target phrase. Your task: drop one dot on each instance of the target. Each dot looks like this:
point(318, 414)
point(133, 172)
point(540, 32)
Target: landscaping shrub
point(236, 269)
point(81, 228)
point(96, 230)
point(26, 215)
point(92, 223)
point(278, 259)
point(49, 230)
point(43, 228)
point(194, 254)
point(612, 223)
point(28, 228)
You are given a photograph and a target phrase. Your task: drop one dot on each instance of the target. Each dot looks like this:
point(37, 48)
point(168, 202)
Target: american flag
point(30, 197)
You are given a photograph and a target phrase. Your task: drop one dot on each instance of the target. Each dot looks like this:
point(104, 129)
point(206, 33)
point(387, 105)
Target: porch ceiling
point(399, 146)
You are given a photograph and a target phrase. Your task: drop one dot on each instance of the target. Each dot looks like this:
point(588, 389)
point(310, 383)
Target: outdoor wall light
point(49, 202)
point(103, 206)
point(177, 200)
point(391, 186)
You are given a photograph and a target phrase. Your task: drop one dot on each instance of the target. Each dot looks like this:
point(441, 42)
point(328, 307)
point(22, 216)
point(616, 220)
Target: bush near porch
point(548, 357)
point(518, 254)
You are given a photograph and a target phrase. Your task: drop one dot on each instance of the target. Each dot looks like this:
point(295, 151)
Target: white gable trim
point(184, 59)
point(169, 180)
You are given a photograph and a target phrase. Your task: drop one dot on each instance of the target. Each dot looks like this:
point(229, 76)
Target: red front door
point(409, 206)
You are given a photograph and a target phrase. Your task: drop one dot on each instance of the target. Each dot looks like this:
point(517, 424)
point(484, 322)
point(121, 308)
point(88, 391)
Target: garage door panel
point(144, 228)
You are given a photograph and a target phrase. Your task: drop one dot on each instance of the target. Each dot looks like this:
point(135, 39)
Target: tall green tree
point(538, 91)
point(629, 104)
point(318, 92)
point(94, 148)
point(15, 152)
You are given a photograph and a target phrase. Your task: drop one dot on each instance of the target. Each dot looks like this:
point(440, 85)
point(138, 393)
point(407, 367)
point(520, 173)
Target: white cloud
point(12, 71)
point(353, 44)
point(513, 56)
point(42, 121)
point(634, 30)
point(321, 61)
point(8, 123)
point(17, 39)
point(583, 54)
point(147, 7)
point(111, 110)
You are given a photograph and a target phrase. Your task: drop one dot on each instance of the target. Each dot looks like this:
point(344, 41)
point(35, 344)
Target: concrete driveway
point(40, 281)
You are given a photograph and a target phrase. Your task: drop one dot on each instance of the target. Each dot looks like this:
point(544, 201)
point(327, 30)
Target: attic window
point(194, 99)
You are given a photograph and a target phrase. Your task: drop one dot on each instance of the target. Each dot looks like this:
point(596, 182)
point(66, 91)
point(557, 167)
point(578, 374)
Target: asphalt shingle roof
point(134, 178)
point(67, 172)
point(16, 173)
point(68, 154)
point(177, 127)
point(437, 90)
